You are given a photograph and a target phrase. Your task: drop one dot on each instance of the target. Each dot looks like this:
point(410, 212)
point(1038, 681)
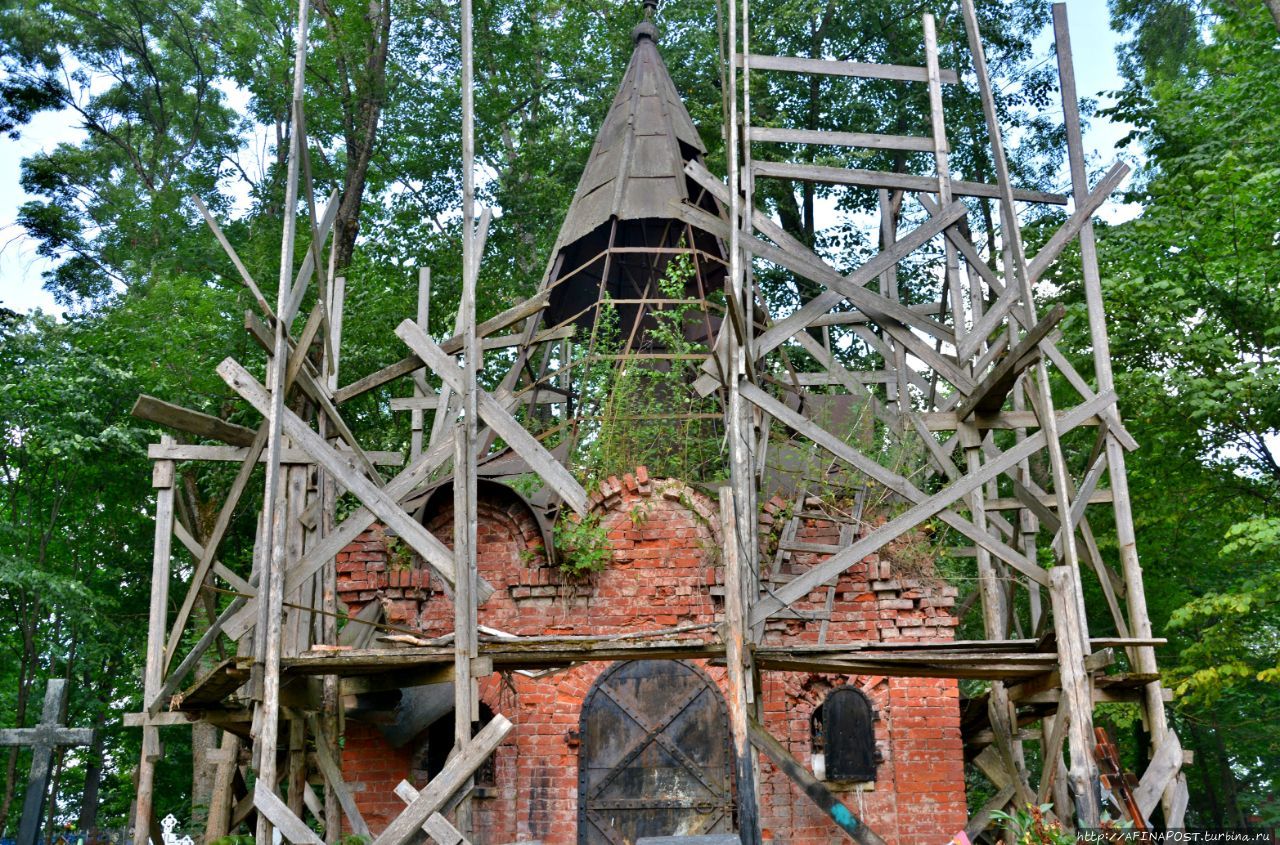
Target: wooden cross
point(43, 739)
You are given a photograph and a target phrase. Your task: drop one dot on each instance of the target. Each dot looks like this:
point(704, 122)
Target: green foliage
point(582, 545)
point(1195, 328)
point(649, 413)
point(1034, 825)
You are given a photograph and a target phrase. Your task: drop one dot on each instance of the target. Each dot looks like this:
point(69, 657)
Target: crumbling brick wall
point(665, 574)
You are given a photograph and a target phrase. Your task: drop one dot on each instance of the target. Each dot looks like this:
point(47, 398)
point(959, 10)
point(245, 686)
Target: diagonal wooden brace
point(437, 827)
point(370, 495)
point(925, 508)
point(815, 789)
point(499, 419)
point(451, 778)
point(292, 828)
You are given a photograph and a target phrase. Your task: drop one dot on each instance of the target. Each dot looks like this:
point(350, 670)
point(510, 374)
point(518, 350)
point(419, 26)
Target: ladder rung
point(898, 181)
point(811, 548)
point(912, 143)
point(863, 70)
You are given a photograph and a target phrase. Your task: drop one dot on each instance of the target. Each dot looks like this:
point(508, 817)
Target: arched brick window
point(844, 736)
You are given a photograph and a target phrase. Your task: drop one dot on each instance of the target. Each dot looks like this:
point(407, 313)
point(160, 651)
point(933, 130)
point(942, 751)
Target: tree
point(1190, 291)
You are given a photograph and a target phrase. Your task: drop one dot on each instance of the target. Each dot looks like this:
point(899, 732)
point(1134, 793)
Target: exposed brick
point(660, 576)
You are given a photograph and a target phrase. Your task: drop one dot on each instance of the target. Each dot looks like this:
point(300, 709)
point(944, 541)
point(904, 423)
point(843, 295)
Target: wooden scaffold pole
point(1173, 791)
point(268, 637)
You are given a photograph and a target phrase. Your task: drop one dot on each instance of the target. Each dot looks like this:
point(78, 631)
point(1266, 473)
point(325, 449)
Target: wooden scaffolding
point(967, 376)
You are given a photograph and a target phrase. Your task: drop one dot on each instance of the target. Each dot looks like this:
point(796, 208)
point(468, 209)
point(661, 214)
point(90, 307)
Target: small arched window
point(844, 735)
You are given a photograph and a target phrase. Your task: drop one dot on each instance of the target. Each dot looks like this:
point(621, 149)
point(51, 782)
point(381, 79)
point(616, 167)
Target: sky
point(1093, 45)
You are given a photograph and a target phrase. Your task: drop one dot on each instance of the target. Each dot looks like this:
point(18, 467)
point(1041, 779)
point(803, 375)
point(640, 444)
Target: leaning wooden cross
point(43, 739)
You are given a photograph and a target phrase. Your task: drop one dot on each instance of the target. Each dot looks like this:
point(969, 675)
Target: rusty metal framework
point(963, 379)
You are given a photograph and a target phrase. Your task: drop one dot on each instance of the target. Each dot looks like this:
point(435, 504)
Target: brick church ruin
point(659, 559)
point(608, 752)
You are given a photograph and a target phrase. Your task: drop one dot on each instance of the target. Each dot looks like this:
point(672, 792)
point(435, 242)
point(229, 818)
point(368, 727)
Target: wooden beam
point(245, 277)
point(499, 419)
point(813, 788)
point(220, 526)
point(332, 771)
point(237, 454)
point(988, 397)
point(451, 346)
point(1085, 207)
point(1004, 420)
point(891, 181)
point(299, 287)
point(925, 508)
point(738, 580)
point(200, 424)
point(1077, 692)
point(869, 140)
point(455, 773)
point(436, 826)
point(371, 496)
point(292, 828)
point(401, 488)
point(1161, 771)
point(827, 67)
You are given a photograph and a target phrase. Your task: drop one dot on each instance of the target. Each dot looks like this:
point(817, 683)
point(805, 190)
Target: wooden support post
point(417, 416)
point(466, 702)
point(942, 169)
point(222, 800)
point(994, 615)
point(737, 582)
point(296, 780)
point(1077, 693)
point(162, 479)
point(1143, 657)
point(1070, 626)
point(267, 640)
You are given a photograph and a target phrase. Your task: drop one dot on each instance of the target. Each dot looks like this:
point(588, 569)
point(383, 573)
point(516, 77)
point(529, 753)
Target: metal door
point(655, 757)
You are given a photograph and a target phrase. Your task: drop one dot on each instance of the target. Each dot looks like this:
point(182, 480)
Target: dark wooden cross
point(44, 738)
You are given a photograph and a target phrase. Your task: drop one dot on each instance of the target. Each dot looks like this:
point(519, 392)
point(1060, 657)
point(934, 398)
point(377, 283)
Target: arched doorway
point(655, 758)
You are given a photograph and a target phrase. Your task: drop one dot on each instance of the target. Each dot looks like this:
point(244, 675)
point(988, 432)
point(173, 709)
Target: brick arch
point(614, 493)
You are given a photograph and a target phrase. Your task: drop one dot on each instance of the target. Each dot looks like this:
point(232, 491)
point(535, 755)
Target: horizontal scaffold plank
point(236, 454)
point(950, 420)
point(892, 181)
point(826, 138)
point(833, 67)
point(360, 669)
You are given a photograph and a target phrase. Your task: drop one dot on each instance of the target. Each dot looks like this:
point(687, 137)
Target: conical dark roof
point(636, 168)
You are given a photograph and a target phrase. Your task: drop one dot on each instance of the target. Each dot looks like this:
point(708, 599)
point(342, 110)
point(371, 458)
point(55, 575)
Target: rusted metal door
point(655, 757)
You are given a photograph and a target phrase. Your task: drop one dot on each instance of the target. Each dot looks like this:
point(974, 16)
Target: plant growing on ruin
point(582, 545)
point(1033, 825)
point(647, 411)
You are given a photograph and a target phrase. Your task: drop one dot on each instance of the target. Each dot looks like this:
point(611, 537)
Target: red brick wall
point(665, 573)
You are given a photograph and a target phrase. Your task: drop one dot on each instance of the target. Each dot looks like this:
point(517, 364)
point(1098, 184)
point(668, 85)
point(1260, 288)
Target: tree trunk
point(1232, 816)
point(1214, 809)
point(19, 721)
point(204, 741)
point(88, 821)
